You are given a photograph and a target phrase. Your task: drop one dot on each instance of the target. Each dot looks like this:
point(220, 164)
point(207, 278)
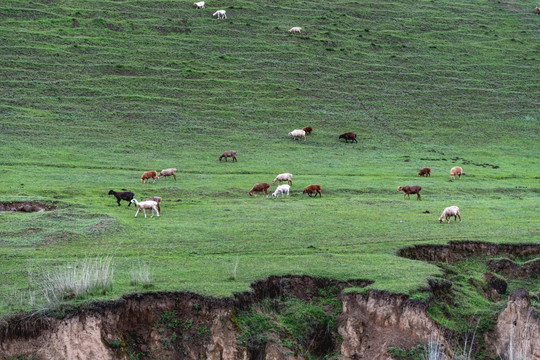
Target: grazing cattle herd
point(153, 203)
point(311, 190)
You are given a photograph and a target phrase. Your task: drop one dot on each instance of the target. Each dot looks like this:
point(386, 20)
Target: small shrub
point(165, 342)
point(416, 353)
point(304, 320)
point(254, 327)
point(203, 331)
point(169, 318)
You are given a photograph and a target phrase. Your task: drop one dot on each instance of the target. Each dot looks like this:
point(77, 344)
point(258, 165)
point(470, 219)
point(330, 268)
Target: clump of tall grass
point(140, 275)
point(88, 276)
point(232, 275)
point(433, 349)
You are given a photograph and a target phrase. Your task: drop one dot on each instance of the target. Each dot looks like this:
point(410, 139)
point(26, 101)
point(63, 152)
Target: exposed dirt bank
point(517, 331)
point(458, 250)
point(372, 323)
point(24, 206)
point(250, 325)
point(156, 325)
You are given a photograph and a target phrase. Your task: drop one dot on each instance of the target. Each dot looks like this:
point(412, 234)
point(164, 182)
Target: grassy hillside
point(94, 93)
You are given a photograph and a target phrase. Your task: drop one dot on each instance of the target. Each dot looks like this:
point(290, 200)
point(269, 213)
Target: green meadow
point(93, 93)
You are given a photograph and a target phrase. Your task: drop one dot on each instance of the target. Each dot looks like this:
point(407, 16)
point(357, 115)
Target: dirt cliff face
point(372, 323)
point(76, 337)
point(517, 331)
point(135, 325)
point(189, 326)
point(457, 250)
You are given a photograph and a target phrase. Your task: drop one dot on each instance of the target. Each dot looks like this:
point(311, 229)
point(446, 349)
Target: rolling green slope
point(94, 93)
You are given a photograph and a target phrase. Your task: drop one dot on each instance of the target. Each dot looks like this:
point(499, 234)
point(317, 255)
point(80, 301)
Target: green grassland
point(94, 93)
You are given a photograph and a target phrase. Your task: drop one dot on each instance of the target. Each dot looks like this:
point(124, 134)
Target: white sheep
point(167, 172)
point(143, 205)
point(283, 177)
point(281, 189)
point(456, 170)
point(199, 5)
point(221, 14)
point(449, 212)
point(295, 30)
point(298, 134)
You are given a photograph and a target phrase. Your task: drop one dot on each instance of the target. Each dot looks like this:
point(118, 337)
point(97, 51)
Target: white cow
point(281, 189)
point(221, 14)
point(296, 134)
point(449, 212)
point(295, 30)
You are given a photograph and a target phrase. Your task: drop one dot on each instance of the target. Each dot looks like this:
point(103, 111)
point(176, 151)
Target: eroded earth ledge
point(25, 206)
point(286, 317)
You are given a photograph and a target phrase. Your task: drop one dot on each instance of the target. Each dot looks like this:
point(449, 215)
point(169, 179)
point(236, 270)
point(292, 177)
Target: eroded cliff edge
point(287, 317)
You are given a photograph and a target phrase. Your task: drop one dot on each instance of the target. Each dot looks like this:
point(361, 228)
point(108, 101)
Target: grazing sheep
point(281, 189)
point(410, 189)
point(230, 153)
point(295, 30)
point(449, 212)
point(312, 189)
point(221, 14)
point(307, 129)
point(298, 134)
point(199, 5)
point(456, 170)
point(259, 187)
point(424, 172)
point(126, 195)
point(283, 177)
point(348, 136)
point(152, 174)
point(537, 10)
point(143, 205)
point(167, 172)
point(156, 199)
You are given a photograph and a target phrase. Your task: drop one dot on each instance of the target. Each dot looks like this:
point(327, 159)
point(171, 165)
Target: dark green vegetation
point(94, 93)
point(305, 327)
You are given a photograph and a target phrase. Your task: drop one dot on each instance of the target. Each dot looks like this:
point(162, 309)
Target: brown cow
point(312, 189)
point(152, 174)
point(259, 187)
point(230, 153)
point(410, 189)
point(348, 136)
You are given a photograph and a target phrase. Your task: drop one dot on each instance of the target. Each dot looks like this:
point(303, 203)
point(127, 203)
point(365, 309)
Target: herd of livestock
point(153, 203)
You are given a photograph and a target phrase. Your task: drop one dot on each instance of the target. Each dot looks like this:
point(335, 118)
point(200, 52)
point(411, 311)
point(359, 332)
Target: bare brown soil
point(25, 206)
point(459, 250)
